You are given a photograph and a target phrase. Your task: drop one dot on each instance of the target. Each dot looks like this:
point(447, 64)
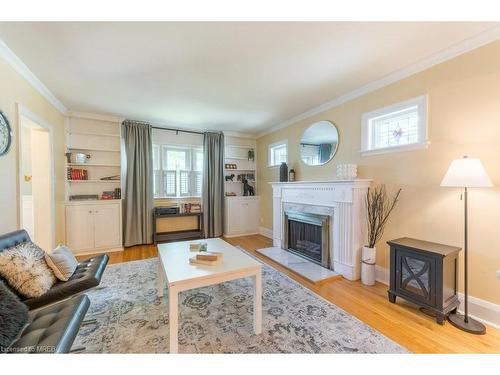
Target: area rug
point(130, 318)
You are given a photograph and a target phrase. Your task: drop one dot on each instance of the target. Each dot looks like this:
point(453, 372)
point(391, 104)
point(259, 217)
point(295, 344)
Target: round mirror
point(319, 143)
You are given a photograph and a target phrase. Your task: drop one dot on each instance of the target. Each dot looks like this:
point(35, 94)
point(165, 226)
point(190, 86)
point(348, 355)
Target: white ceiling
point(243, 77)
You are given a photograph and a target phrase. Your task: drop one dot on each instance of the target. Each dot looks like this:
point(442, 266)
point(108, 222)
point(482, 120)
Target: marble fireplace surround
point(344, 201)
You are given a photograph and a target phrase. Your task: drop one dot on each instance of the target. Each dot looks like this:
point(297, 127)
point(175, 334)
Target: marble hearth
point(344, 202)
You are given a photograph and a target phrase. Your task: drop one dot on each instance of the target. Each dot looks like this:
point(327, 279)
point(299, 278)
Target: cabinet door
point(415, 276)
point(107, 225)
point(79, 227)
point(253, 216)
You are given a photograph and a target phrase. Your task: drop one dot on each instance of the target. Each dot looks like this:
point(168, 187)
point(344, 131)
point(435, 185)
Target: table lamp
point(466, 173)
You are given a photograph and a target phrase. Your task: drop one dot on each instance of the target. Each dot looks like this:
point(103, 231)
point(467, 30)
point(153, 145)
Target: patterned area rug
point(130, 318)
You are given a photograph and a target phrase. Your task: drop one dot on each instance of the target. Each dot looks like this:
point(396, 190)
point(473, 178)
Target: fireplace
point(307, 235)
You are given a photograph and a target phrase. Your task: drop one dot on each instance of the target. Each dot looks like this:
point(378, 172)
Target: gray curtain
point(325, 150)
point(138, 183)
point(213, 184)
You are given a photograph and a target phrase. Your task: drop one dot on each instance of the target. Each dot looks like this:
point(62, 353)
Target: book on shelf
point(77, 174)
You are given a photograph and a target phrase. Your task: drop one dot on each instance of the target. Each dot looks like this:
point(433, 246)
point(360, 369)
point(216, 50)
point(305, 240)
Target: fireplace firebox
point(307, 235)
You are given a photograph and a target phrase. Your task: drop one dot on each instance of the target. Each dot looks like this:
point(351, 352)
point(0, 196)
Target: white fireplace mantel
point(344, 201)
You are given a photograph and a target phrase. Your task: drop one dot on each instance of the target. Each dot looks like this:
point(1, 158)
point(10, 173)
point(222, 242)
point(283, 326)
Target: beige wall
point(16, 90)
point(464, 118)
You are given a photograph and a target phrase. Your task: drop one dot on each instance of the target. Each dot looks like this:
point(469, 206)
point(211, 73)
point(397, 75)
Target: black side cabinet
point(425, 273)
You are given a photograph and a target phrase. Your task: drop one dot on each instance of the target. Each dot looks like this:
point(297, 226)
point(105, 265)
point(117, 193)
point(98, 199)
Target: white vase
point(368, 258)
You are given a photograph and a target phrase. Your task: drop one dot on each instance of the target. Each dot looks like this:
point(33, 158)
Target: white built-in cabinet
point(93, 226)
point(241, 216)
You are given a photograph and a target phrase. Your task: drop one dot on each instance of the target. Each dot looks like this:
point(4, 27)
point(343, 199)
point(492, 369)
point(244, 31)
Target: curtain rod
point(177, 130)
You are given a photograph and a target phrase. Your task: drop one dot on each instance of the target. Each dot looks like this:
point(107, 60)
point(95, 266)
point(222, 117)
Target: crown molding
point(239, 135)
point(466, 45)
point(95, 116)
point(16, 63)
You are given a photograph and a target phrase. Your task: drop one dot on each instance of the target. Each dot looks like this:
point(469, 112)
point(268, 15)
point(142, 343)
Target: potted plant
point(379, 207)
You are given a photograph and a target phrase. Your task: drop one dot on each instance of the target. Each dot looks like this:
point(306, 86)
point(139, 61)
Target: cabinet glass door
point(415, 277)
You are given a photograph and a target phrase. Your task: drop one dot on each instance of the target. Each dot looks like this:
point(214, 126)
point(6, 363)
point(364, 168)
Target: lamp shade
point(466, 172)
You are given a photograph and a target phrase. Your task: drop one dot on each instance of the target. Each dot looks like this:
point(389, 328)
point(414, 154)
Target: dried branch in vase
point(379, 207)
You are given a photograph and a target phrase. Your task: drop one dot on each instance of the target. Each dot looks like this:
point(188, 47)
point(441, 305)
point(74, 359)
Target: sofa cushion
point(24, 268)
point(13, 317)
point(62, 262)
point(53, 328)
point(87, 275)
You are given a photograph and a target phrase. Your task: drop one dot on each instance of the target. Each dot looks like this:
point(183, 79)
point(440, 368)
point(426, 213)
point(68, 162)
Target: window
point(277, 153)
point(177, 171)
point(402, 126)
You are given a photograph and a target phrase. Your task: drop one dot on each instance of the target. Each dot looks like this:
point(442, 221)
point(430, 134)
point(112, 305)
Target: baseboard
point(98, 251)
point(484, 311)
point(266, 232)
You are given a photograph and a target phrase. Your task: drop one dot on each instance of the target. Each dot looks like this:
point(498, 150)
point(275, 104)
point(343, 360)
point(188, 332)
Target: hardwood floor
point(402, 322)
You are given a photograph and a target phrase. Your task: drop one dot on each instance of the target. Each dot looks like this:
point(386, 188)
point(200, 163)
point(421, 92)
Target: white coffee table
point(175, 271)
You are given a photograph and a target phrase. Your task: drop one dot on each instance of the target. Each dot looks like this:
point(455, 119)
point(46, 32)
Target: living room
point(250, 188)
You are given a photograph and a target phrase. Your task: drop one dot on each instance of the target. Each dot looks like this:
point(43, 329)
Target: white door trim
point(23, 111)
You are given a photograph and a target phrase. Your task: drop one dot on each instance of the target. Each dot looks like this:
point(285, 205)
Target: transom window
point(177, 171)
point(277, 153)
point(398, 127)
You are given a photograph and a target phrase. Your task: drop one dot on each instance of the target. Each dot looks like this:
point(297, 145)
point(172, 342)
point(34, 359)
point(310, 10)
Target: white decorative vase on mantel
point(368, 259)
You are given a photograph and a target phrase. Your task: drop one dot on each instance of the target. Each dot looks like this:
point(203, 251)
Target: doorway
point(36, 174)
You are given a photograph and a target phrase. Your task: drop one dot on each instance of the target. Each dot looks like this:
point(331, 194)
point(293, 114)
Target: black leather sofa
point(52, 329)
point(87, 275)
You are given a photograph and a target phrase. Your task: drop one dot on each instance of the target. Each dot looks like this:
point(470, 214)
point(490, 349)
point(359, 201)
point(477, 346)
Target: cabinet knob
point(90, 211)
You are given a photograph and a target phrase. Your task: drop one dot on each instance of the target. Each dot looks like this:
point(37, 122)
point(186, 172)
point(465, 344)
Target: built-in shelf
point(92, 149)
point(239, 170)
point(94, 133)
point(238, 182)
point(91, 201)
point(92, 165)
point(93, 181)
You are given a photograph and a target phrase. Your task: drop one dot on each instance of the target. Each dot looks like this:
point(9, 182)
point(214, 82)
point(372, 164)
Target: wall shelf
point(92, 149)
point(94, 181)
point(93, 133)
point(92, 165)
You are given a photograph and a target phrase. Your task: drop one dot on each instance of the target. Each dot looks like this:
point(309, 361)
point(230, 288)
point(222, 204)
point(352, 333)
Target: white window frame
point(269, 152)
point(420, 102)
point(192, 173)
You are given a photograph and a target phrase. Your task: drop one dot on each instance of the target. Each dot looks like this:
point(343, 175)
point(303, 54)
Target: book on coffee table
point(206, 258)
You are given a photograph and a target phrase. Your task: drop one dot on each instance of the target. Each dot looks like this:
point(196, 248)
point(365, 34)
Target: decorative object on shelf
point(84, 197)
point(203, 247)
point(230, 166)
point(107, 195)
point(424, 273)
point(5, 134)
point(248, 190)
point(347, 171)
point(230, 194)
point(251, 155)
point(27, 178)
point(466, 173)
point(111, 178)
point(291, 175)
point(118, 193)
point(379, 206)
point(77, 157)
point(283, 172)
point(319, 143)
point(229, 177)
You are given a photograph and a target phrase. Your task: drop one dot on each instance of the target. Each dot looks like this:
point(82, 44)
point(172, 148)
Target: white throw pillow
point(24, 268)
point(62, 261)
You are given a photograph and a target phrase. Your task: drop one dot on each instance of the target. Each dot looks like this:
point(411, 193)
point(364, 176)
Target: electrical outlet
point(498, 274)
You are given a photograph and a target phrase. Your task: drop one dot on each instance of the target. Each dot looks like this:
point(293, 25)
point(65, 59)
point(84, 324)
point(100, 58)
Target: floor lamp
point(466, 173)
